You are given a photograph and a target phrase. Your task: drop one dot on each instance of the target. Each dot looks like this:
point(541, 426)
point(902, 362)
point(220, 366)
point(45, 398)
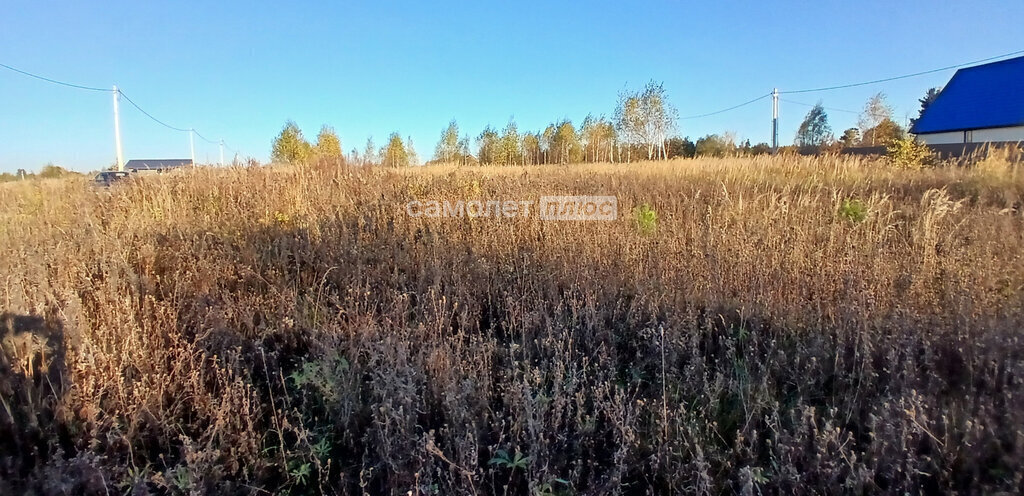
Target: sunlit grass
point(787, 324)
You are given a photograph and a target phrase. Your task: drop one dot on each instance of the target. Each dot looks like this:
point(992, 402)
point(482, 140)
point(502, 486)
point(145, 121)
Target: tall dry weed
point(251, 330)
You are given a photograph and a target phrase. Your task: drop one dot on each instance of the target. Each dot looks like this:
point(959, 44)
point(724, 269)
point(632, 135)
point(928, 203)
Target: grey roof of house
point(157, 163)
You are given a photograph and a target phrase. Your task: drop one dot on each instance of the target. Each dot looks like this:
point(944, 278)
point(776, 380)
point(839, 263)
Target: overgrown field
point(777, 325)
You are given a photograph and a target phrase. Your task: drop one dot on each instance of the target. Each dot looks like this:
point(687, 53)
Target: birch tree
point(509, 145)
point(328, 145)
point(448, 146)
point(369, 152)
point(489, 146)
point(565, 143)
point(531, 148)
point(646, 118)
point(290, 146)
point(598, 136)
point(547, 141)
point(394, 154)
point(875, 112)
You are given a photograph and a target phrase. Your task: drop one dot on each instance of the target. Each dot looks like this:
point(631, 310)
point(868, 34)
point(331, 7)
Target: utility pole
point(117, 130)
point(221, 152)
point(192, 145)
point(775, 121)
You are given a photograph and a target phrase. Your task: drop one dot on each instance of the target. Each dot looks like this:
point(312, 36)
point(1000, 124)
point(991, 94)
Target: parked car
point(106, 178)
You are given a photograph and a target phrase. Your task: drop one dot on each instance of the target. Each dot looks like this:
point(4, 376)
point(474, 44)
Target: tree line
point(643, 126)
point(875, 126)
point(49, 171)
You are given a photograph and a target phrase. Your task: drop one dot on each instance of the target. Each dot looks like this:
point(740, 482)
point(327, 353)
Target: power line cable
point(727, 109)
point(54, 81)
point(809, 90)
point(826, 108)
point(232, 150)
point(205, 139)
point(162, 123)
point(121, 93)
point(147, 114)
point(894, 78)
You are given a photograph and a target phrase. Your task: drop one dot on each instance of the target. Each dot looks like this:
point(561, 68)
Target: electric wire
point(147, 114)
point(834, 109)
point(894, 78)
point(205, 139)
point(54, 81)
point(698, 116)
point(734, 107)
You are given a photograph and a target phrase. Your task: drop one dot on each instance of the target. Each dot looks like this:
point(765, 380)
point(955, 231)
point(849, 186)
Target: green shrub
point(908, 153)
point(853, 210)
point(646, 219)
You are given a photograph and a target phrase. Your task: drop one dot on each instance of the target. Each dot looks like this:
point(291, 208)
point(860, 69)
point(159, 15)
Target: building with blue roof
point(980, 104)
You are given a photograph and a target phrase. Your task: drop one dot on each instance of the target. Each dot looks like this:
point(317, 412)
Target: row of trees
point(562, 142)
point(290, 146)
point(875, 126)
point(643, 121)
point(49, 171)
point(643, 126)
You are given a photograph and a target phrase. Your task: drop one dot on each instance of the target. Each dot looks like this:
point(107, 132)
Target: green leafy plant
point(299, 472)
point(646, 218)
point(321, 375)
point(503, 459)
point(321, 448)
point(853, 210)
point(179, 478)
point(908, 153)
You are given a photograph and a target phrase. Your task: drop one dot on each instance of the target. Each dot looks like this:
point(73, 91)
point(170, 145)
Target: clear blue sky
point(236, 70)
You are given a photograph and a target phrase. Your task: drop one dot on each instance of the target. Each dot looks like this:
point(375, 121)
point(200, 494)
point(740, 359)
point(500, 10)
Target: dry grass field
point(782, 325)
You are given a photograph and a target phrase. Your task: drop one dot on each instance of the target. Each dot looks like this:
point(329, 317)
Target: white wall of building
point(942, 138)
point(1015, 133)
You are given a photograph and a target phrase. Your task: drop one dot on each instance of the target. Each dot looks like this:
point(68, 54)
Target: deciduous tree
point(531, 148)
point(680, 147)
point(598, 137)
point(646, 118)
point(370, 152)
point(394, 154)
point(328, 145)
point(464, 156)
point(814, 131)
point(884, 133)
point(547, 141)
point(489, 146)
point(875, 111)
point(413, 158)
point(510, 153)
point(448, 147)
point(714, 145)
point(850, 137)
point(50, 171)
point(565, 144)
point(290, 146)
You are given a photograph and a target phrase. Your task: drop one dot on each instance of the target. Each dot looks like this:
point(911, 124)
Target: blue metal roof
point(979, 97)
point(157, 164)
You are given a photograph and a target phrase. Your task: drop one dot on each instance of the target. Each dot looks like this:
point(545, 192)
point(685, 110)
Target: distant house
point(157, 165)
point(981, 104)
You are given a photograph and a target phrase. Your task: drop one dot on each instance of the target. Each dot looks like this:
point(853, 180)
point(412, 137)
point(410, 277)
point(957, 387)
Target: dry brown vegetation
point(790, 325)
